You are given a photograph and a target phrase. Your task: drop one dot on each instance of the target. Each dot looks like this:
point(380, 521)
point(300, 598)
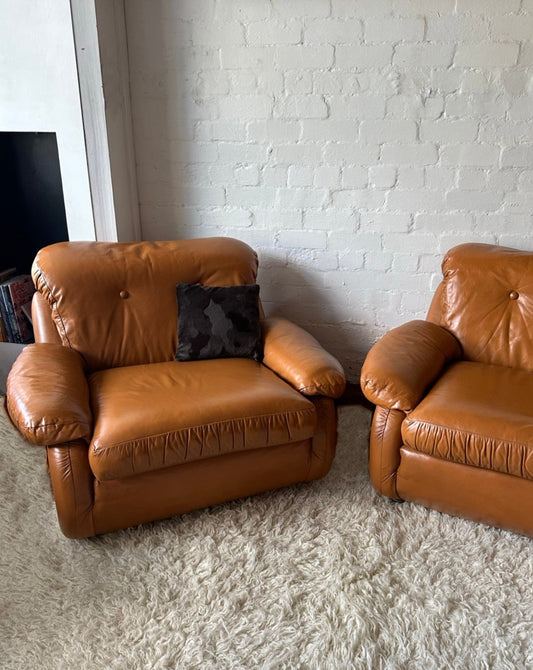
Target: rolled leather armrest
point(48, 396)
point(295, 355)
point(405, 362)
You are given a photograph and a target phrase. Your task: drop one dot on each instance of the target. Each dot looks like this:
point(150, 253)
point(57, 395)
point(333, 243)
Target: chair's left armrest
point(295, 355)
point(48, 396)
point(405, 362)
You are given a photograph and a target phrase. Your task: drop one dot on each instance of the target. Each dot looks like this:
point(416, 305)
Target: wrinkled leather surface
point(401, 366)
point(488, 303)
point(73, 487)
point(86, 506)
point(324, 438)
point(384, 453)
point(116, 303)
point(48, 395)
point(462, 490)
point(155, 416)
point(479, 415)
point(298, 358)
point(44, 327)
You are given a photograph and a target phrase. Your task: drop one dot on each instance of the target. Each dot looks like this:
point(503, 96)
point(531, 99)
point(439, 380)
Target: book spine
point(8, 316)
point(5, 319)
point(20, 292)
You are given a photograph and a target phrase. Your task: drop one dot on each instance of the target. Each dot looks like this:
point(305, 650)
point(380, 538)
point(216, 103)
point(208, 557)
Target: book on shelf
point(6, 319)
point(3, 332)
point(15, 294)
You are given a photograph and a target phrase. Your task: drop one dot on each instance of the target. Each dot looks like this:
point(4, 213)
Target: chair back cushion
point(115, 303)
point(487, 303)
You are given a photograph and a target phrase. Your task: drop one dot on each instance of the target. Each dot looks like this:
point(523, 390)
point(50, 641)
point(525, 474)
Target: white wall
point(351, 142)
point(39, 92)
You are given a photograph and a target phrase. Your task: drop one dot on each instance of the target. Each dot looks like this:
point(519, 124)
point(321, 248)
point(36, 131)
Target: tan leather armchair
point(453, 425)
point(131, 434)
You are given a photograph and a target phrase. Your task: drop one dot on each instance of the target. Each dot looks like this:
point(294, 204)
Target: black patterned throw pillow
point(218, 322)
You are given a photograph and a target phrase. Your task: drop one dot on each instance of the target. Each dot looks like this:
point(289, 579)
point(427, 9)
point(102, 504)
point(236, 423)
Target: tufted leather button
point(124, 295)
point(513, 295)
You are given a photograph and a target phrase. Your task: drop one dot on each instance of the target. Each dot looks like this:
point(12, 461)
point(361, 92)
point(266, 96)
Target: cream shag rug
point(325, 575)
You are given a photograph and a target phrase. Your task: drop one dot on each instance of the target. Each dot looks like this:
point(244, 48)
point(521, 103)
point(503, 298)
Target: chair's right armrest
point(405, 362)
point(48, 396)
point(295, 356)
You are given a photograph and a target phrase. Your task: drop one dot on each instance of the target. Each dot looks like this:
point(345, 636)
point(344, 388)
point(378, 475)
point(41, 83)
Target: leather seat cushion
point(479, 415)
point(148, 417)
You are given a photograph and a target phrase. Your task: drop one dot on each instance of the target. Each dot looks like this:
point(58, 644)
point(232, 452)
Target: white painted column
point(102, 60)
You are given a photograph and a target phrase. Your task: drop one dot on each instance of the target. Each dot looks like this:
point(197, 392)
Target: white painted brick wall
point(351, 142)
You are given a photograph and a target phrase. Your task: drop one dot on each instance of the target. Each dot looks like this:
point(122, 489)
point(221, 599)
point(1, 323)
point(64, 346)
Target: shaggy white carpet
point(325, 575)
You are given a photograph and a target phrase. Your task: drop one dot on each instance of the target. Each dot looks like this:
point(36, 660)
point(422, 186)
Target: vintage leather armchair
point(453, 425)
point(131, 434)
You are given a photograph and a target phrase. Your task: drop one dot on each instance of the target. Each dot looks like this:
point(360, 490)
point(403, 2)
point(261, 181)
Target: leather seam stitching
point(40, 426)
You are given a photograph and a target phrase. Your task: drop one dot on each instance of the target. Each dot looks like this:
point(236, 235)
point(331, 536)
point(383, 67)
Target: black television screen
point(31, 197)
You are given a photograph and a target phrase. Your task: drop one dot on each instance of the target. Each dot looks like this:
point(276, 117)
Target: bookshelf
point(31, 193)
point(34, 216)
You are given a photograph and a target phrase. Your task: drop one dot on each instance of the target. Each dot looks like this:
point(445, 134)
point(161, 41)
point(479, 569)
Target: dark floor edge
point(354, 396)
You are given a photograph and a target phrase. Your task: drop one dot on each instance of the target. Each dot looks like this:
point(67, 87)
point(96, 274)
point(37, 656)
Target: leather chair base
point(86, 506)
point(461, 490)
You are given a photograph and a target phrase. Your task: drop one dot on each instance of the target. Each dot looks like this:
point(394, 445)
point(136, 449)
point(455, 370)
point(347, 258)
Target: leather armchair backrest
point(115, 303)
point(486, 301)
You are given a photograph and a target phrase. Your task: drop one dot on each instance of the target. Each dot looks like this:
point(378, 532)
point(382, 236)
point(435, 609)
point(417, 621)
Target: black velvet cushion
point(218, 322)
